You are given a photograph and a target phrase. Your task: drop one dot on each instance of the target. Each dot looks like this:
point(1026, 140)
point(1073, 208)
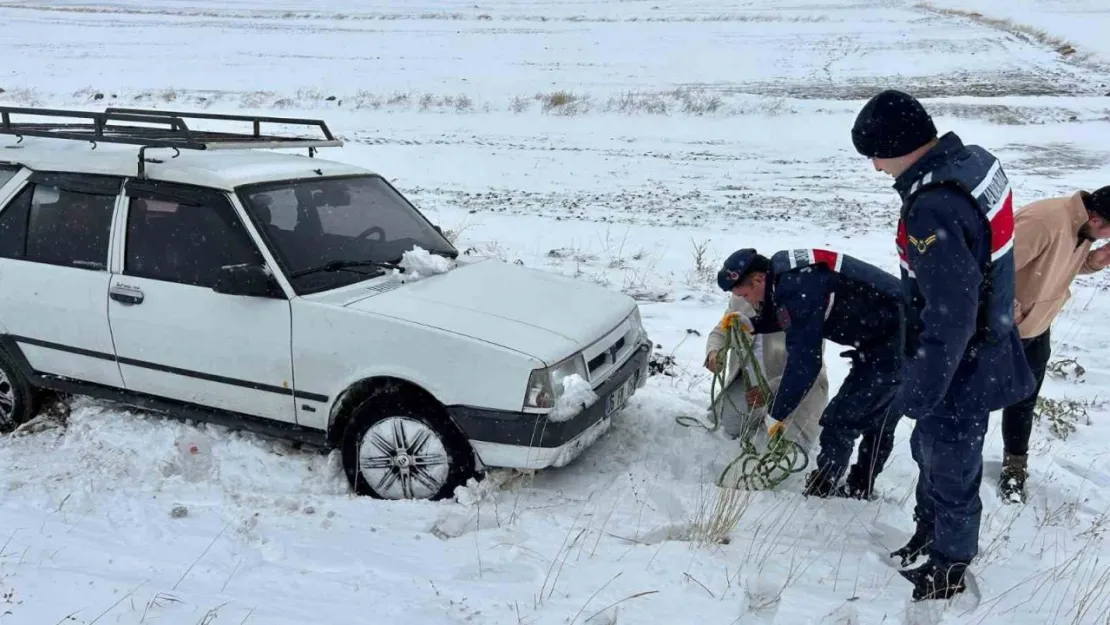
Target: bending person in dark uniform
point(812, 295)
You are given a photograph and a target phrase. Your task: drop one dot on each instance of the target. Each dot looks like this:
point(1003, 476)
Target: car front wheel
point(17, 398)
point(394, 448)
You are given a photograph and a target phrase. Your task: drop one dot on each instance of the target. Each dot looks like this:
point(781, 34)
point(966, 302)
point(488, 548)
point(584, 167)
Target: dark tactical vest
point(979, 175)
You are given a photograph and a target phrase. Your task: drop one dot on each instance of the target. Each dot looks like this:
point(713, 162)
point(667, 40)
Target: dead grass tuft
point(563, 103)
point(1066, 369)
point(1063, 415)
point(717, 513)
point(684, 100)
point(631, 102)
point(696, 102)
point(518, 104)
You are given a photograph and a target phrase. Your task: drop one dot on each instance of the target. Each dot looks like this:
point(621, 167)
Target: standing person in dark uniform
point(811, 295)
point(965, 359)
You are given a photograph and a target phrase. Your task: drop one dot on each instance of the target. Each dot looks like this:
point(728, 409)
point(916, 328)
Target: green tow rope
point(757, 471)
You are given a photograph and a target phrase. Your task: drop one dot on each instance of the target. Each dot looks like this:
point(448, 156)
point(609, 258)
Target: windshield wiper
point(349, 265)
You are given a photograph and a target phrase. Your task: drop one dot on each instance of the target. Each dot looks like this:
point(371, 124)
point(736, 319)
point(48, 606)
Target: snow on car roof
point(222, 169)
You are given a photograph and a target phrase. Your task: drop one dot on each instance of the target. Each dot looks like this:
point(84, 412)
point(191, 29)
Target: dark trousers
point(1017, 420)
point(861, 404)
point(875, 448)
point(948, 449)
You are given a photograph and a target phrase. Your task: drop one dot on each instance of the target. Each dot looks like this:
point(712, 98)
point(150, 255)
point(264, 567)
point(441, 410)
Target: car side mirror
point(247, 280)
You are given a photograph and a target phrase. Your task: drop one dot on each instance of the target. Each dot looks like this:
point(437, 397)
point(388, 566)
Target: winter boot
point(933, 581)
point(918, 543)
point(1011, 483)
point(858, 485)
point(818, 484)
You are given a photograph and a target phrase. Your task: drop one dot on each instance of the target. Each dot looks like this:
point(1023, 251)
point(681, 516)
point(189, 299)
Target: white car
point(199, 277)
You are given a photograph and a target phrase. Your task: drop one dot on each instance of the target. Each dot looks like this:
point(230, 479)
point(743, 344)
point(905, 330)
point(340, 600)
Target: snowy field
point(632, 143)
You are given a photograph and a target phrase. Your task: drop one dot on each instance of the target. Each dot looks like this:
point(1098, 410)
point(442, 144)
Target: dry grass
point(454, 233)
point(563, 103)
point(1066, 369)
point(1082, 599)
point(518, 104)
point(998, 526)
point(684, 100)
point(1063, 415)
point(704, 266)
point(718, 511)
point(703, 271)
point(690, 101)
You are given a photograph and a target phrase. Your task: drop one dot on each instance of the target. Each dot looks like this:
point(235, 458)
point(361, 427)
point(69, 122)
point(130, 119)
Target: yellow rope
point(783, 456)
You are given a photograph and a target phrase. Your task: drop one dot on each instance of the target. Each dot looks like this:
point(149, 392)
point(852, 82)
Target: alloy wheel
point(403, 458)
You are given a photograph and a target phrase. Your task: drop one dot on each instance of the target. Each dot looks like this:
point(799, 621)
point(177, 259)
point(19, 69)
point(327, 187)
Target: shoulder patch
point(922, 245)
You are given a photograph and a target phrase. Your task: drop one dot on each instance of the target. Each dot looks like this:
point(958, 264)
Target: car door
point(55, 231)
point(175, 336)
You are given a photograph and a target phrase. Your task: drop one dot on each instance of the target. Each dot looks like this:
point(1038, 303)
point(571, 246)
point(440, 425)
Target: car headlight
point(637, 321)
point(545, 385)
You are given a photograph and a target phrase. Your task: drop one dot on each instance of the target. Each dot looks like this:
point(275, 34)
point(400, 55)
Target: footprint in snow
point(844, 615)
point(1090, 471)
point(500, 572)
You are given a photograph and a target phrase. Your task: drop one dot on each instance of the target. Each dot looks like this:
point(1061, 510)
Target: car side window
point(185, 241)
point(13, 224)
point(69, 227)
point(57, 225)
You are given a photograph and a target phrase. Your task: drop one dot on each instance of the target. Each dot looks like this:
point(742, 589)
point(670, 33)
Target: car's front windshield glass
point(331, 232)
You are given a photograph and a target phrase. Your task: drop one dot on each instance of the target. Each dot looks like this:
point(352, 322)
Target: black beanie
point(892, 124)
point(1098, 202)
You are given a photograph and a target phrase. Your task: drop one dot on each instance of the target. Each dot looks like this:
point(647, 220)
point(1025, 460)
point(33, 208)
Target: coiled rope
point(783, 457)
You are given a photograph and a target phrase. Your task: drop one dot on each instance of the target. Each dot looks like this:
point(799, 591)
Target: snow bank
point(577, 396)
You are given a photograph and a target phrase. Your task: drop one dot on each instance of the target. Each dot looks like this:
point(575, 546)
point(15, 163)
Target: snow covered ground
point(630, 143)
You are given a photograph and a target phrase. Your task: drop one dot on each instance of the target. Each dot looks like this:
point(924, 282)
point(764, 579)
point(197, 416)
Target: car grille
point(611, 351)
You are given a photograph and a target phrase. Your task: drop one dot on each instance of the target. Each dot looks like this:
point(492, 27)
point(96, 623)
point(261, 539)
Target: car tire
point(396, 447)
point(18, 400)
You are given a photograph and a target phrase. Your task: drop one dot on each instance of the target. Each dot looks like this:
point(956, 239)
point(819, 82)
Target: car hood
point(535, 312)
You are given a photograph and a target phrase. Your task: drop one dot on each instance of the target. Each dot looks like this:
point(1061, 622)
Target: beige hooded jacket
point(771, 352)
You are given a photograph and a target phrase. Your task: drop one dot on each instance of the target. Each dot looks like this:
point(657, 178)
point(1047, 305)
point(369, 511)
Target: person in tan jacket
point(770, 352)
point(1052, 245)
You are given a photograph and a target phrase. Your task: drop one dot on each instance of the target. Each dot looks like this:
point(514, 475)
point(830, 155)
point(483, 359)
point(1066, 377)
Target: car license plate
point(619, 397)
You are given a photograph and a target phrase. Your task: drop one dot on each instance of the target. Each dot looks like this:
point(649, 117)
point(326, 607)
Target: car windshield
point(334, 231)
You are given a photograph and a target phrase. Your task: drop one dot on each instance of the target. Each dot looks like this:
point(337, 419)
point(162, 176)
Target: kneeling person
point(812, 295)
point(739, 402)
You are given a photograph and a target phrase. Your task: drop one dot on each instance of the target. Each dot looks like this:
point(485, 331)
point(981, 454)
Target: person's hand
point(754, 397)
point(735, 319)
point(1019, 316)
point(1100, 258)
point(711, 361)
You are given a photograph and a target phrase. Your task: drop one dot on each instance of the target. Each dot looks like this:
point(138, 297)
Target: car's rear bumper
point(529, 441)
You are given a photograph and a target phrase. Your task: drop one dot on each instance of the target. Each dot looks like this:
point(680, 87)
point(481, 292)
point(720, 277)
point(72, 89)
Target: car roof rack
point(164, 129)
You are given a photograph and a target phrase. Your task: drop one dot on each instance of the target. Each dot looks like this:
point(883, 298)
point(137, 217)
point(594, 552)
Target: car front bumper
point(522, 440)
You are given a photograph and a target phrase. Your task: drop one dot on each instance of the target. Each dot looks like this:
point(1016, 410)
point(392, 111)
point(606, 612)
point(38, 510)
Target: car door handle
point(126, 295)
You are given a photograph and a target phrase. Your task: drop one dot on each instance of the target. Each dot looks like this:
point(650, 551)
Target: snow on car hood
point(536, 312)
